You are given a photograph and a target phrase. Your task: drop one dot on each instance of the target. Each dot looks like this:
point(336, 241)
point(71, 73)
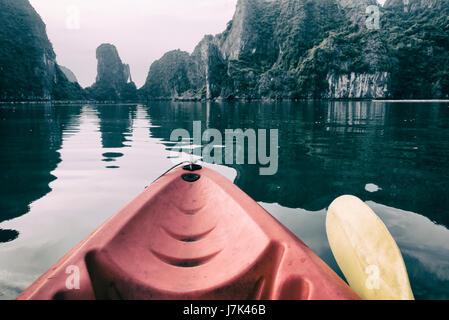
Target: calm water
point(65, 169)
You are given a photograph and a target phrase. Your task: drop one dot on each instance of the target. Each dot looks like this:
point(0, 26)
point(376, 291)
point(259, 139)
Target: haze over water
point(67, 168)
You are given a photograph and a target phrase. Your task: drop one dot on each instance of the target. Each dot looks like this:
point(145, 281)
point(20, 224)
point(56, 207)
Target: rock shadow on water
point(111, 157)
point(30, 144)
point(8, 235)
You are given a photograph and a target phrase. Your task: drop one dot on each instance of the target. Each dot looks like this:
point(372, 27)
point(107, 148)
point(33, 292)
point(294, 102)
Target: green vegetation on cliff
point(274, 49)
point(419, 42)
point(113, 81)
point(317, 49)
point(28, 68)
point(168, 76)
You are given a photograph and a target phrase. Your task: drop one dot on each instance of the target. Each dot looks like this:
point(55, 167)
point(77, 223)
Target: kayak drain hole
point(188, 240)
point(192, 167)
point(188, 237)
point(185, 263)
point(191, 177)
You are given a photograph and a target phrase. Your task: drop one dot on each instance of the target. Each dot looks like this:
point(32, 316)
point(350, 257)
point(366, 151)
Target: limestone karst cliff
point(69, 74)
point(114, 82)
point(271, 49)
point(289, 49)
point(28, 68)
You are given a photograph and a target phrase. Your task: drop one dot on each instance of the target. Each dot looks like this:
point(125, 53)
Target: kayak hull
point(201, 239)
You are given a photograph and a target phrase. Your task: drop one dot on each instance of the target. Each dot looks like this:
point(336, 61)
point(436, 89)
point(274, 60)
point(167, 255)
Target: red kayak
point(191, 235)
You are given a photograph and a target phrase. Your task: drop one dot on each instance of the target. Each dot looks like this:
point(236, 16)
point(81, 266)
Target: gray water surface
point(66, 168)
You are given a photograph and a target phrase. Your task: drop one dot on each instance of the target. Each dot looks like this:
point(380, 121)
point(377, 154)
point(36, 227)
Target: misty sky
point(142, 30)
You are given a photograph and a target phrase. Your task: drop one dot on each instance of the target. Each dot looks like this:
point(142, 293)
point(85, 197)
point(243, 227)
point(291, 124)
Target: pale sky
point(142, 30)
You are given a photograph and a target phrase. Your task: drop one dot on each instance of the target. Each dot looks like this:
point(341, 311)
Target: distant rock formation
point(292, 49)
point(28, 68)
point(177, 74)
point(271, 49)
point(168, 76)
point(113, 81)
point(69, 74)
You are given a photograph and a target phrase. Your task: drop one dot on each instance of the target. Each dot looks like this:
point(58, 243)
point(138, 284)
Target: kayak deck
point(204, 239)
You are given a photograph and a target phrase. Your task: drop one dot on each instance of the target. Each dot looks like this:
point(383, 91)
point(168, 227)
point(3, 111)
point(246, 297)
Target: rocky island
point(114, 82)
point(28, 67)
point(293, 49)
point(271, 49)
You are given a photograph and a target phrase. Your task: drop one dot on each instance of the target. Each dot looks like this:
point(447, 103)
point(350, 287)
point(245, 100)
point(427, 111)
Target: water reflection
point(111, 157)
point(332, 148)
point(116, 124)
point(81, 194)
point(56, 173)
point(8, 235)
point(30, 137)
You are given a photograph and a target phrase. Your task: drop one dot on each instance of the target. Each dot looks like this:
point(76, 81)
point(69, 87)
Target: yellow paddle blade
point(366, 252)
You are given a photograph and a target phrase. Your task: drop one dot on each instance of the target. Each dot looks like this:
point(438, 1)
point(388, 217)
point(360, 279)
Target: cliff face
point(114, 82)
point(413, 5)
point(69, 74)
point(418, 38)
point(28, 68)
point(168, 76)
point(291, 49)
point(209, 70)
point(357, 85)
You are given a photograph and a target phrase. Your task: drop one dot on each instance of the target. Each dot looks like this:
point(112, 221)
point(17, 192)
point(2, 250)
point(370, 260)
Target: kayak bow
point(191, 235)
